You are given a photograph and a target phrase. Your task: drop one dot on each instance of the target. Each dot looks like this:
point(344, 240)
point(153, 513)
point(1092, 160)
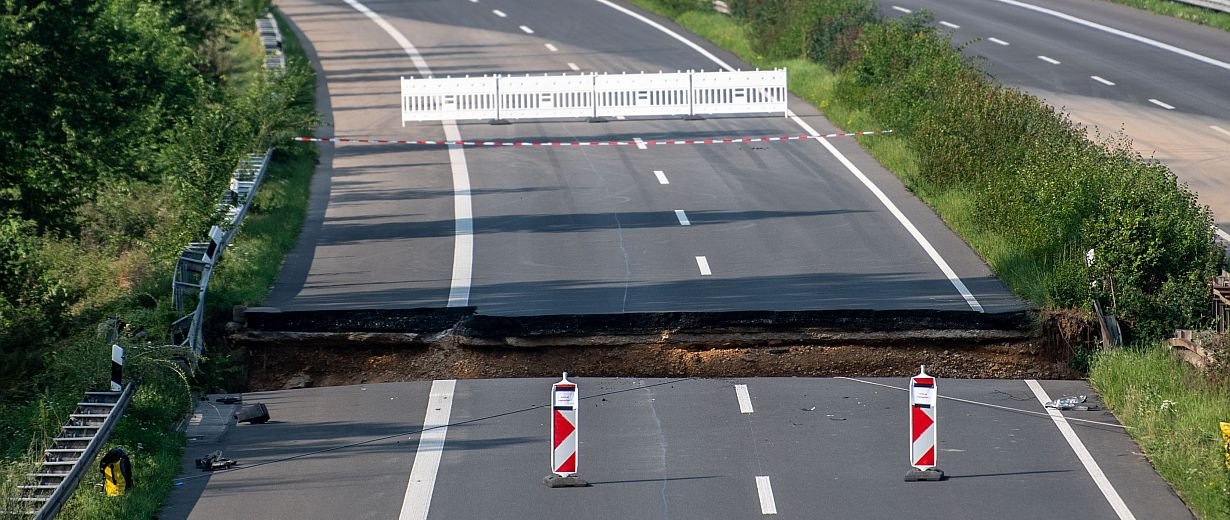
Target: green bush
point(824, 32)
point(1038, 182)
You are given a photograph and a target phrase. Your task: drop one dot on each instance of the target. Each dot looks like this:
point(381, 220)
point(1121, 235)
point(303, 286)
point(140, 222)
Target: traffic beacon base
point(923, 426)
point(564, 436)
point(919, 475)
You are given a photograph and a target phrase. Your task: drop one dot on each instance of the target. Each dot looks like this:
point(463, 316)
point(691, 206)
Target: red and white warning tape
point(583, 143)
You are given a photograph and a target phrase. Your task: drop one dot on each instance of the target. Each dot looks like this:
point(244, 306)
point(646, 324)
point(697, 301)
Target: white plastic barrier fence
point(739, 92)
point(593, 95)
point(545, 96)
point(661, 94)
point(436, 99)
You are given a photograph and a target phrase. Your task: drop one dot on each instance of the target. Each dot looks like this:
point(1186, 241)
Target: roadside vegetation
point(123, 121)
point(1182, 11)
point(1174, 410)
point(1029, 190)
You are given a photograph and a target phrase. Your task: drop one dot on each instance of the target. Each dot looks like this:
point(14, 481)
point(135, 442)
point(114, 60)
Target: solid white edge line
point(683, 218)
point(573, 66)
point(1082, 453)
point(745, 399)
point(902, 9)
point(888, 203)
point(1102, 80)
point(1050, 60)
point(552, 47)
point(1220, 130)
point(1224, 235)
point(527, 29)
point(949, 25)
point(768, 506)
point(997, 40)
point(499, 13)
point(1117, 32)
point(640, 143)
point(422, 481)
point(661, 175)
point(1161, 104)
point(463, 216)
point(703, 264)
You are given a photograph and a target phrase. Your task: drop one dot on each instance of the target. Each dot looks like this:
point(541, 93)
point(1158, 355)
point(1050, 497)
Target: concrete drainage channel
point(325, 348)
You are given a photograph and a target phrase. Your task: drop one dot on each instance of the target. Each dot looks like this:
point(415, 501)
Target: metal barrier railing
point(193, 268)
point(196, 263)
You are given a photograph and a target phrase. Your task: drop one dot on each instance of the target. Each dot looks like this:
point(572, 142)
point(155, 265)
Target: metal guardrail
point(690, 93)
point(271, 40)
point(65, 490)
point(193, 269)
point(1216, 5)
point(190, 279)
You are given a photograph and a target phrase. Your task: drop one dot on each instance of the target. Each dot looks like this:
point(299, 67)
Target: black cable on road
point(414, 432)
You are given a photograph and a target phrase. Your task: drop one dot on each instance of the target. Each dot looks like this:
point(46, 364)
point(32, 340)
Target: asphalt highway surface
point(1164, 82)
point(686, 448)
point(536, 231)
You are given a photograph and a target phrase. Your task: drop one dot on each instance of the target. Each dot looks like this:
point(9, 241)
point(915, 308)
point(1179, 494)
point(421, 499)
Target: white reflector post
point(215, 245)
point(117, 367)
point(923, 398)
point(564, 435)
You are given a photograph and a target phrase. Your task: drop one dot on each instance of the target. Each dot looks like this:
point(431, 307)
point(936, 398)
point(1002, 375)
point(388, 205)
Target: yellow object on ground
point(1225, 441)
point(113, 480)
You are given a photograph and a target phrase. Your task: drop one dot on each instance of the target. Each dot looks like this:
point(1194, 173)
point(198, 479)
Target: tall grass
point(1173, 411)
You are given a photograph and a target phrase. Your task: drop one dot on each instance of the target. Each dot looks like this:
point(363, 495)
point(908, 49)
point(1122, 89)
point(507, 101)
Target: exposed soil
point(281, 358)
point(289, 367)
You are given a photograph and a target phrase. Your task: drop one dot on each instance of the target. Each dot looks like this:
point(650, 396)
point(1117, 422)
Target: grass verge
point(1173, 411)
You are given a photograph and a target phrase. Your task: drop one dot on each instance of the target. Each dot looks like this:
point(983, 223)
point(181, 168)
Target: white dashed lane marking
point(527, 30)
point(640, 143)
point(745, 399)
point(997, 41)
point(703, 264)
point(573, 66)
point(949, 25)
point(1102, 80)
point(552, 48)
point(499, 13)
point(768, 506)
point(683, 218)
point(1052, 61)
point(1220, 130)
point(1161, 104)
point(661, 177)
point(902, 9)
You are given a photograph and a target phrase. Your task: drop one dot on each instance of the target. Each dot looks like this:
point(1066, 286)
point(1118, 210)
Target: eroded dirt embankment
point(451, 345)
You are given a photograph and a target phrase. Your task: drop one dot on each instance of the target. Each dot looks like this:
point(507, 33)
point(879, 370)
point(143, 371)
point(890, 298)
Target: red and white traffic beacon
point(564, 435)
point(923, 397)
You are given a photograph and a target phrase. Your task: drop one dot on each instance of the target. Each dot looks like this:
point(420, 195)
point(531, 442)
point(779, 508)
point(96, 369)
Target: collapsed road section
point(319, 348)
